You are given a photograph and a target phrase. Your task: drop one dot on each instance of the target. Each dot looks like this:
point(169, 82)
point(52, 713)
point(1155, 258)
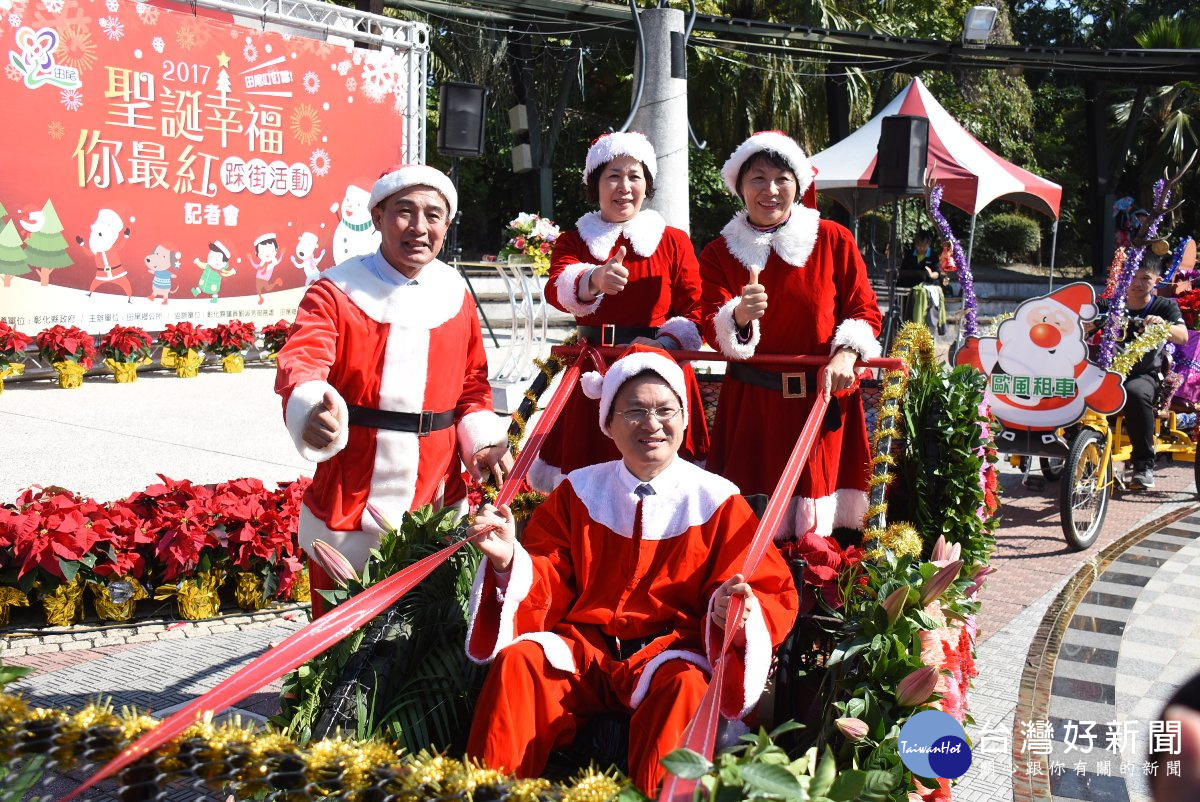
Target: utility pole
point(662, 114)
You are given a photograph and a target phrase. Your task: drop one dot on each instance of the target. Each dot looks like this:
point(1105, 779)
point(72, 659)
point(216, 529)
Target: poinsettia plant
point(49, 538)
point(126, 344)
point(179, 517)
point(125, 542)
point(179, 338)
point(274, 336)
point(830, 572)
point(66, 344)
point(287, 504)
point(246, 516)
point(12, 345)
point(233, 337)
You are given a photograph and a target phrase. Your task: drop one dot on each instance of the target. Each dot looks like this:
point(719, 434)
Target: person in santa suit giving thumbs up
point(627, 277)
point(384, 377)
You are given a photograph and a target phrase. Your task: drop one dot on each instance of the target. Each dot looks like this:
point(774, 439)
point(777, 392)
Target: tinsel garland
point(900, 539)
point(994, 329)
point(240, 759)
point(1179, 251)
point(970, 327)
point(1133, 260)
point(1114, 272)
point(1154, 335)
point(914, 345)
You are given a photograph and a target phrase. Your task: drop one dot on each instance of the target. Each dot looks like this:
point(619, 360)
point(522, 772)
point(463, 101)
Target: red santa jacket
point(581, 570)
point(664, 280)
point(379, 343)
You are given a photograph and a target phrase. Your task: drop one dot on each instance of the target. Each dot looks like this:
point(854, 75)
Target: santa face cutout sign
point(1039, 378)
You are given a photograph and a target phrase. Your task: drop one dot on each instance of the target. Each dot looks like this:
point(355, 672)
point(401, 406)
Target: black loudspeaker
point(460, 119)
point(903, 150)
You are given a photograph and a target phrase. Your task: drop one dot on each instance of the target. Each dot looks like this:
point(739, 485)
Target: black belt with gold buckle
point(422, 423)
point(792, 385)
point(608, 334)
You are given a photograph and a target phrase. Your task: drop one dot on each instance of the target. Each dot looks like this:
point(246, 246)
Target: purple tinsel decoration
point(969, 328)
point(1116, 304)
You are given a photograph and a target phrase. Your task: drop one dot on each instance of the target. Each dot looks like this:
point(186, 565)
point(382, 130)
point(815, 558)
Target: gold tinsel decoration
point(64, 604)
point(994, 329)
point(913, 345)
point(900, 539)
point(241, 756)
point(1151, 338)
point(10, 597)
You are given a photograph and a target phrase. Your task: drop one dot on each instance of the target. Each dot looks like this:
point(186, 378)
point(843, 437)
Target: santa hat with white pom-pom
point(637, 360)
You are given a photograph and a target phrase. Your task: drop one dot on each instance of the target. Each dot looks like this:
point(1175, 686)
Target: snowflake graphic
point(147, 13)
point(250, 53)
point(112, 6)
point(306, 124)
point(378, 80)
point(357, 59)
point(113, 28)
point(158, 44)
point(14, 20)
point(140, 8)
point(312, 82)
point(186, 37)
point(71, 99)
point(343, 67)
point(76, 48)
point(12, 73)
point(319, 162)
point(56, 130)
point(53, 6)
point(351, 84)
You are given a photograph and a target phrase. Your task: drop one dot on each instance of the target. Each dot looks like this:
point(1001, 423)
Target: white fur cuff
point(757, 661)
point(520, 580)
point(727, 333)
point(303, 400)
point(858, 335)
point(683, 331)
point(567, 285)
point(478, 430)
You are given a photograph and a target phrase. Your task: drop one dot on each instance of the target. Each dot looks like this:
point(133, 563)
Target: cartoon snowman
point(355, 234)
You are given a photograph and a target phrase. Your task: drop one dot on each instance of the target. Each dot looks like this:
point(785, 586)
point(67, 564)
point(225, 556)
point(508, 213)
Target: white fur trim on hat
point(217, 246)
point(414, 175)
point(620, 143)
point(263, 238)
point(605, 388)
point(775, 141)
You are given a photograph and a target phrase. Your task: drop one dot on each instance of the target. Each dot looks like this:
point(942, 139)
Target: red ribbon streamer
point(325, 632)
point(701, 734)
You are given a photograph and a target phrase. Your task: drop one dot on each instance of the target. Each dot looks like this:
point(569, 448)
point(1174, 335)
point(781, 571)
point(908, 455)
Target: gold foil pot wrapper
point(70, 374)
point(196, 598)
point(187, 366)
point(116, 600)
point(64, 604)
point(10, 598)
point(125, 372)
point(248, 590)
point(301, 590)
point(233, 363)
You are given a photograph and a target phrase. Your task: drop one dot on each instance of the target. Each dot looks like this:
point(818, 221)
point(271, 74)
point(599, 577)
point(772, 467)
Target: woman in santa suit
point(627, 277)
point(780, 280)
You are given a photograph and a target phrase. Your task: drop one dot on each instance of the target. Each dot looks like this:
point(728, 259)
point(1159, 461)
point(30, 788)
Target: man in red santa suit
point(617, 596)
point(384, 377)
point(820, 302)
point(627, 277)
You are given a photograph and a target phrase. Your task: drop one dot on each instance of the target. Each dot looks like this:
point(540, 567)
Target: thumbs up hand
point(611, 277)
point(322, 426)
point(753, 304)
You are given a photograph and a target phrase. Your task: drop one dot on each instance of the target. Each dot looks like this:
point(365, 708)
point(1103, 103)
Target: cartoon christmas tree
point(46, 247)
point(12, 255)
point(224, 87)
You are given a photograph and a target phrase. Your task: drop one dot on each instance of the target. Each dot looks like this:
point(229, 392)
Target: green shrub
point(1007, 238)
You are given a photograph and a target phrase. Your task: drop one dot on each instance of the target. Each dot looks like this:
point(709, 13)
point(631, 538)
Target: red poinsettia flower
point(12, 344)
point(125, 542)
point(275, 335)
point(54, 535)
point(233, 337)
point(126, 344)
point(66, 344)
point(825, 563)
point(183, 337)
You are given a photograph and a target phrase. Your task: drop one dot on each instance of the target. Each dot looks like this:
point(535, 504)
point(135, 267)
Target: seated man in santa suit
point(616, 598)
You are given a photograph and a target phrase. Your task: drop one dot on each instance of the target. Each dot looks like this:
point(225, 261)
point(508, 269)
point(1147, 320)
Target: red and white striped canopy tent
point(973, 176)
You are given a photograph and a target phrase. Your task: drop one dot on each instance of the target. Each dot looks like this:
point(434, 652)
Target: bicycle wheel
point(1084, 497)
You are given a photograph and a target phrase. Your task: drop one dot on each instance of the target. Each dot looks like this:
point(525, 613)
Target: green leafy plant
point(1008, 238)
point(405, 675)
point(760, 769)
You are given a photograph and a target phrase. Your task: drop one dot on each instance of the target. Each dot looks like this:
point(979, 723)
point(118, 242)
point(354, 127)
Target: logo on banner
point(36, 64)
point(934, 744)
point(1039, 376)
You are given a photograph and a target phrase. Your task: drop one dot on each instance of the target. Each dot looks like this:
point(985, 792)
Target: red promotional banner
point(161, 164)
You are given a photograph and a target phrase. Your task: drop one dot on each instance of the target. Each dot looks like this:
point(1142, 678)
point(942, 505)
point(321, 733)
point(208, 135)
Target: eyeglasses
point(639, 416)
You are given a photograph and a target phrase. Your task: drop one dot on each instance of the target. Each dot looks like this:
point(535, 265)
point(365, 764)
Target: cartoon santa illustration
point(355, 234)
point(1039, 376)
point(104, 244)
